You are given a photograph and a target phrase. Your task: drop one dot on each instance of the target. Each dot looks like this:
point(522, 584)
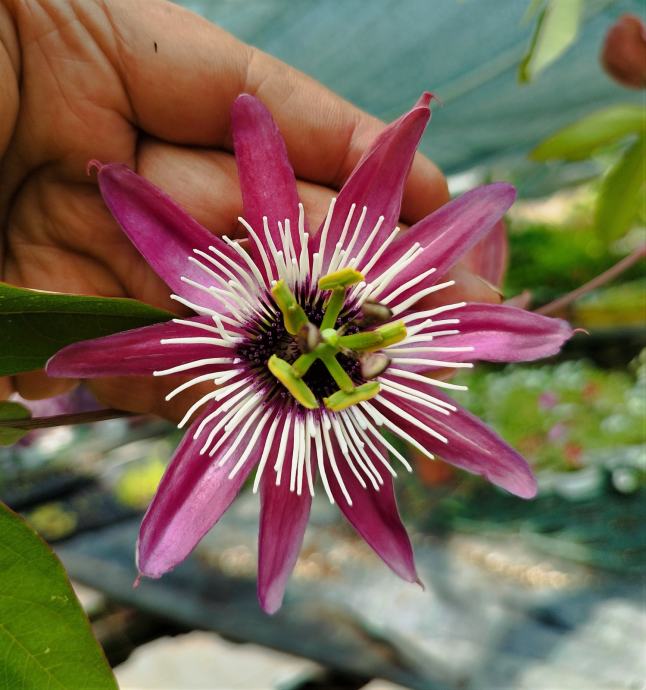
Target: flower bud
point(624, 52)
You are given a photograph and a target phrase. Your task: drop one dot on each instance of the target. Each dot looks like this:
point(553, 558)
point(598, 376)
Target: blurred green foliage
point(550, 260)
point(555, 415)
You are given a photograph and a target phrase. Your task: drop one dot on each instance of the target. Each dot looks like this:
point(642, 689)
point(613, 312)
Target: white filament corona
point(238, 428)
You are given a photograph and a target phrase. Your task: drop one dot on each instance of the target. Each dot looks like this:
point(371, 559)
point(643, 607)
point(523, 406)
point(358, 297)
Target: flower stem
point(65, 419)
point(562, 302)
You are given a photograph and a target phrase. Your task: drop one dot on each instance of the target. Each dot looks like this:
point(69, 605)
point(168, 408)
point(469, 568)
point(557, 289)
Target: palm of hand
point(148, 84)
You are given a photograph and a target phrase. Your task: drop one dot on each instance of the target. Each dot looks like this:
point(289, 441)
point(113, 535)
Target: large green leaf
point(12, 411)
point(622, 193)
point(556, 29)
point(581, 139)
point(34, 325)
point(45, 639)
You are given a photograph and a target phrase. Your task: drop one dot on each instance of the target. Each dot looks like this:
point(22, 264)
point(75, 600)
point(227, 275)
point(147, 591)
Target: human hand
point(148, 84)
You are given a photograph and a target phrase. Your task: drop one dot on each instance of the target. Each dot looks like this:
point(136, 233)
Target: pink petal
point(136, 352)
point(375, 516)
point(193, 495)
point(164, 234)
point(266, 176)
point(489, 257)
point(446, 235)
point(283, 519)
point(378, 180)
point(496, 333)
point(471, 445)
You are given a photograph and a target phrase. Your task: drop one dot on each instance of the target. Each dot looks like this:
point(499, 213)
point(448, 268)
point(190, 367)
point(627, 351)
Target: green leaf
point(556, 29)
point(34, 325)
point(622, 195)
point(581, 139)
point(45, 638)
point(10, 411)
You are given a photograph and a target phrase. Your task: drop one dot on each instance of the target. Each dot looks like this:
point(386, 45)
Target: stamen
point(294, 317)
point(341, 399)
point(282, 370)
point(340, 279)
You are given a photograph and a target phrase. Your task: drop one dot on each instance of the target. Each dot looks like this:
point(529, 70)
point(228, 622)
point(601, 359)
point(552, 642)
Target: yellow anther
point(294, 317)
point(390, 333)
point(340, 400)
point(340, 279)
point(282, 370)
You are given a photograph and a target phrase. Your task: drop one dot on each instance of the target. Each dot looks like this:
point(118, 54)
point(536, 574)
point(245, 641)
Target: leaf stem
point(559, 304)
point(65, 419)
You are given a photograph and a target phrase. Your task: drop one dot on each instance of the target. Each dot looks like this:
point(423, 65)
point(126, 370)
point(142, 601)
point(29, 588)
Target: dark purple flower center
point(268, 336)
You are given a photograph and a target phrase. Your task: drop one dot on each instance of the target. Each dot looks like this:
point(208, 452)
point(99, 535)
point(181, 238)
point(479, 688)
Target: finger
point(9, 66)
point(468, 287)
point(144, 395)
point(325, 135)
point(36, 385)
point(205, 184)
point(6, 388)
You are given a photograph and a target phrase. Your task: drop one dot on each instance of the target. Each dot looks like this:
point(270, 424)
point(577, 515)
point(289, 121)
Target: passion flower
point(315, 344)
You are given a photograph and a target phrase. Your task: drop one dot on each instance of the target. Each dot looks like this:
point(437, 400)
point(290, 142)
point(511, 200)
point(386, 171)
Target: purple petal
point(378, 180)
point(446, 235)
point(193, 495)
point(496, 333)
point(283, 519)
point(489, 257)
point(472, 445)
point(266, 176)
point(164, 234)
point(137, 352)
point(375, 516)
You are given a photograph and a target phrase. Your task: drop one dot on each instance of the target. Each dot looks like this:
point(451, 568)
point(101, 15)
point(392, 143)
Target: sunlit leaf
point(10, 411)
point(556, 29)
point(45, 638)
point(34, 325)
point(623, 193)
point(581, 139)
